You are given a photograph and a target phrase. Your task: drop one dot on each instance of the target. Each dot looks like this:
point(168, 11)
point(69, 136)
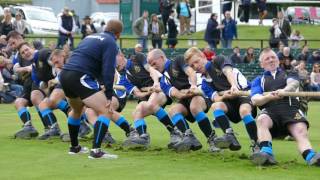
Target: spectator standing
point(285, 28)
point(246, 10)
point(165, 10)
point(76, 19)
point(315, 77)
point(303, 56)
point(156, 30)
point(236, 56)
point(67, 29)
point(6, 24)
point(249, 56)
point(140, 27)
point(172, 31)
point(212, 34)
point(19, 23)
point(229, 31)
point(184, 16)
point(262, 9)
point(87, 27)
point(295, 38)
point(275, 34)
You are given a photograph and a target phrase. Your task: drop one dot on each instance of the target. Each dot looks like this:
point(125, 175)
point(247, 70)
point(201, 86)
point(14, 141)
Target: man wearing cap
point(67, 28)
point(87, 27)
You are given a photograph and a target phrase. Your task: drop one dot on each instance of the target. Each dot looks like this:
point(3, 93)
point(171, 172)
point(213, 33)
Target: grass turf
point(35, 159)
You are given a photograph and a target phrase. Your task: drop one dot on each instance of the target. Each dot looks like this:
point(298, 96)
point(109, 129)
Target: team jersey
point(174, 75)
point(215, 80)
point(269, 82)
point(41, 69)
point(136, 72)
point(96, 56)
point(123, 81)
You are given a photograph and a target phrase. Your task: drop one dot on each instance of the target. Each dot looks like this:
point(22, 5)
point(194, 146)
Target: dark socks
point(140, 126)
point(123, 124)
point(266, 147)
point(251, 127)
point(204, 124)
point(179, 121)
point(73, 126)
point(48, 116)
point(221, 119)
point(24, 115)
point(163, 117)
point(308, 154)
point(100, 128)
point(63, 106)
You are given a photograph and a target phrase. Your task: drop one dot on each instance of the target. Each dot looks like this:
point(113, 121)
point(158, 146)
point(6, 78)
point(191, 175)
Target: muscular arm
point(192, 75)
point(228, 72)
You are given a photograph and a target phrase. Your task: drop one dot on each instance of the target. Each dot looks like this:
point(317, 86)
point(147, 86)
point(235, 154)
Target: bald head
point(115, 26)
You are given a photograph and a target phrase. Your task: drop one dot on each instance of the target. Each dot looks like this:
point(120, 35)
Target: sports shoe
point(228, 140)
point(27, 131)
point(254, 147)
point(108, 138)
point(78, 150)
point(53, 131)
point(188, 142)
point(263, 159)
point(175, 137)
point(84, 129)
point(98, 154)
point(65, 137)
point(137, 141)
point(315, 160)
point(212, 146)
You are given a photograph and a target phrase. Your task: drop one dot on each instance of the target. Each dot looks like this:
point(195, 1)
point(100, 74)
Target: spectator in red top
point(210, 54)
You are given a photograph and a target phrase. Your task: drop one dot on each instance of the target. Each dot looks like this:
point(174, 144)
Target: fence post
point(120, 43)
point(261, 43)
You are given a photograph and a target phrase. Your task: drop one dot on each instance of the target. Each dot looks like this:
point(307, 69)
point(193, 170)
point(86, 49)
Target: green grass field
point(35, 159)
point(244, 32)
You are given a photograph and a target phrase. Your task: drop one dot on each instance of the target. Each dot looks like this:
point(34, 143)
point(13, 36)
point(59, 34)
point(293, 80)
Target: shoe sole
point(132, 145)
point(26, 135)
point(109, 156)
point(234, 148)
point(196, 148)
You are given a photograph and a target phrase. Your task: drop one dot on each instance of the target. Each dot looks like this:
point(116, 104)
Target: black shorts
point(186, 103)
point(282, 116)
point(27, 88)
point(233, 106)
point(77, 84)
point(122, 102)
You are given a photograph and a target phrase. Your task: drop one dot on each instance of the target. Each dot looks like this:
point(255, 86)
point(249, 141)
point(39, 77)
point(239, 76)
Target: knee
point(152, 106)
point(264, 121)
point(244, 110)
point(299, 130)
point(217, 105)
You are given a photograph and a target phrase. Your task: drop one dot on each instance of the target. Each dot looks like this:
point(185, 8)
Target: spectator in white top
point(315, 77)
point(19, 23)
point(67, 28)
point(295, 38)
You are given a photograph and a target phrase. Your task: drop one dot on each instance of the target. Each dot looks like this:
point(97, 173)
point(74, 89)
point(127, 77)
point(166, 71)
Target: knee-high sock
point(63, 105)
point(48, 116)
point(73, 126)
point(24, 115)
point(45, 123)
point(204, 124)
point(266, 147)
point(251, 127)
point(179, 121)
point(221, 119)
point(164, 118)
point(140, 126)
point(123, 124)
point(100, 128)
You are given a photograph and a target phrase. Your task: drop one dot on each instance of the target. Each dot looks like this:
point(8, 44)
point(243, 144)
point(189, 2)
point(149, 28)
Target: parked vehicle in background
point(40, 20)
point(298, 14)
point(99, 17)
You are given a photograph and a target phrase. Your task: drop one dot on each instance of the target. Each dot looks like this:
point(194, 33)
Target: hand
point(227, 95)
point(234, 89)
point(109, 106)
point(156, 88)
point(28, 68)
